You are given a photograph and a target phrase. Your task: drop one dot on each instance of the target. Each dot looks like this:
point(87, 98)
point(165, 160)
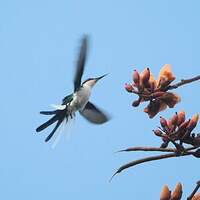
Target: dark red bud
point(136, 103)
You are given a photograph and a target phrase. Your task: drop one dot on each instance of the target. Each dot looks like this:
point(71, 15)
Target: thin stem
point(154, 149)
point(148, 149)
point(183, 82)
point(148, 159)
point(194, 191)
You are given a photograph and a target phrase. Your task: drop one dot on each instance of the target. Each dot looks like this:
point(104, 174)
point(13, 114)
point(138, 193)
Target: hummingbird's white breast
point(80, 98)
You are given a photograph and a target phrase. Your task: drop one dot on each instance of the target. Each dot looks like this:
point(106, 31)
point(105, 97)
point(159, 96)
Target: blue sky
point(38, 47)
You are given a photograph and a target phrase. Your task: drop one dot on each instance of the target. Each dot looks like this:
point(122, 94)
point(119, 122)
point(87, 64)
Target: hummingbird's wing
point(67, 99)
point(93, 114)
point(80, 62)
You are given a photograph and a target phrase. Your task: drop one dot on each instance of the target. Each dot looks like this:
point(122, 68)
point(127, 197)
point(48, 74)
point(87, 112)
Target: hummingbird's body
point(80, 98)
point(77, 101)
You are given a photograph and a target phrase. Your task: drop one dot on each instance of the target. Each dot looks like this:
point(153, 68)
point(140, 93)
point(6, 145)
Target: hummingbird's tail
point(59, 116)
point(48, 112)
point(47, 123)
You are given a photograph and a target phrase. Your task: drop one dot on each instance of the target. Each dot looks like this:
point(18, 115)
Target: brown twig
point(148, 149)
point(183, 82)
point(148, 159)
point(194, 191)
point(154, 149)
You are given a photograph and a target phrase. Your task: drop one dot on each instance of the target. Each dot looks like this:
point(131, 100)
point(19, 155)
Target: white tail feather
point(65, 128)
point(58, 107)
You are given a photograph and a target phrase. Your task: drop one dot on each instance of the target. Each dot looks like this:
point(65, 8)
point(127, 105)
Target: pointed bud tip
point(136, 103)
point(165, 193)
point(128, 87)
point(177, 192)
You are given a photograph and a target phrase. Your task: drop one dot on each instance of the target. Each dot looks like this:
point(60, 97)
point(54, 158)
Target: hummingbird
point(78, 101)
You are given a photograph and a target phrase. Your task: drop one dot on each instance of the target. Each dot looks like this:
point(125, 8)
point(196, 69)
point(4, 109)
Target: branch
point(183, 82)
point(148, 149)
point(148, 159)
point(154, 149)
point(194, 191)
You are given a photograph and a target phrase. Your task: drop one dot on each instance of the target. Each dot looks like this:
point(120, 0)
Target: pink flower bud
point(174, 119)
point(177, 192)
point(181, 118)
point(136, 77)
point(170, 126)
point(184, 125)
point(165, 193)
point(196, 196)
point(163, 122)
point(145, 75)
point(193, 122)
point(157, 132)
point(128, 87)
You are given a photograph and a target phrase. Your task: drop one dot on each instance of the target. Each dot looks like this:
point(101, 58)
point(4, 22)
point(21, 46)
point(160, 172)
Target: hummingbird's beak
point(98, 78)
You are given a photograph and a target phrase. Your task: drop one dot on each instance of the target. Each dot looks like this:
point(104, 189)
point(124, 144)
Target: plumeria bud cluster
point(176, 194)
point(177, 128)
point(154, 91)
point(196, 197)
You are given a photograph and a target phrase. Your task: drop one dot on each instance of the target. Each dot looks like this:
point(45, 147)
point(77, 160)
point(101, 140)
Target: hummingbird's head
point(92, 81)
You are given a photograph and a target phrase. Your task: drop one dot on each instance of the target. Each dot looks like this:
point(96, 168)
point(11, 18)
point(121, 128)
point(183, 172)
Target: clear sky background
point(38, 48)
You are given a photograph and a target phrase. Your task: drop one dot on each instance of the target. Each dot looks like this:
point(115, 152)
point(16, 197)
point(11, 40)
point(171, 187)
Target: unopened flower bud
point(177, 192)
point(164, 145)
point(136, 103)
point(193, 122)
point(196, 197)
point(163, 122)
point(152, 82)
point(181, 118)
point(157, 132)
point(165, 193)
point(184, 125)
point(128, 87)
point(170, 126)
point(145, 75)
point(174, 119)
point(136, 77)
point(152, 85)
